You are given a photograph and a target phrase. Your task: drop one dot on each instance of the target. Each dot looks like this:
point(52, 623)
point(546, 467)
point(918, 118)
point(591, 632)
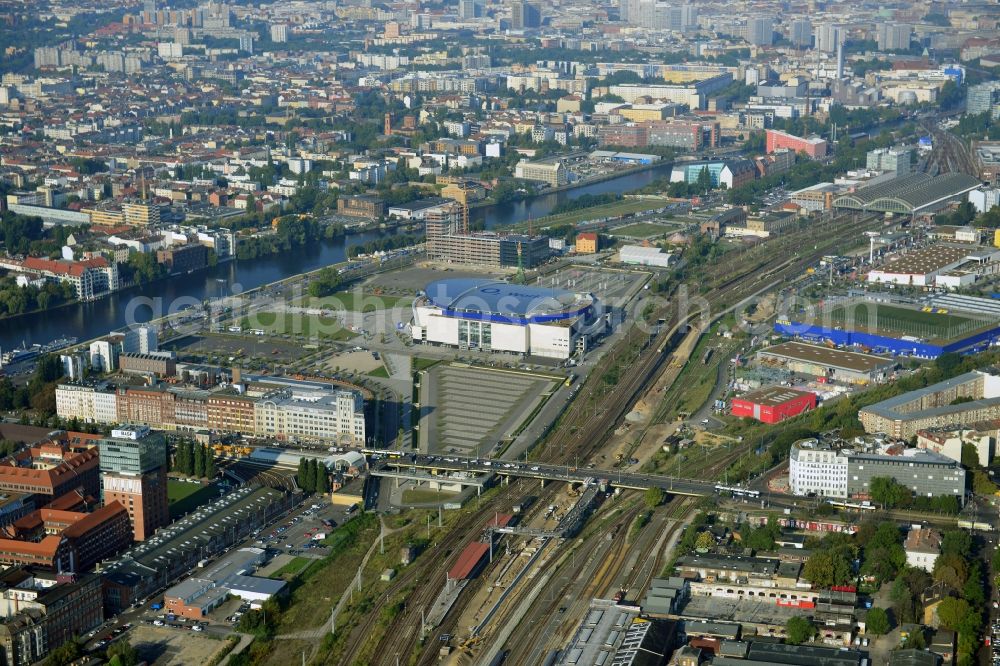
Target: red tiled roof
point(60, 267)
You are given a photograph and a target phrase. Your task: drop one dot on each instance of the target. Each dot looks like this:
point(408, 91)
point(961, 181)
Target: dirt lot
point(408, 280)
point(174, 647)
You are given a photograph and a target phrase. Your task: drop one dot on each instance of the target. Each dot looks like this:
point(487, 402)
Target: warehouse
point(773, 404)
point(492, 315)
point(922, 267)
point(827, 363)
point(641, 255)
point(209, 587)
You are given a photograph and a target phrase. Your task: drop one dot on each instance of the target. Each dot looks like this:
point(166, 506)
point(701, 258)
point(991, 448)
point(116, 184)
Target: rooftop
point(513, 303)
point(908, 194)
point(831, 358)
point(772, 396)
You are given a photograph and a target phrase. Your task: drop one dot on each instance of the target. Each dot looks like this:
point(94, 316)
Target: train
point(856, 506)
point(737, 491)
point(386, 453)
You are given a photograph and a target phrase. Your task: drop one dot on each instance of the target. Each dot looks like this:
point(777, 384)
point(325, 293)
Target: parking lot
point(221, 347)
point(612, 287)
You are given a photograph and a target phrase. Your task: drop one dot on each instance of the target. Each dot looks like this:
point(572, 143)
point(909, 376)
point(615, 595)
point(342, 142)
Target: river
point(90, 320)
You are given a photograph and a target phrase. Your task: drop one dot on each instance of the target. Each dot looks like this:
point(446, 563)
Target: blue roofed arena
point(493, 315)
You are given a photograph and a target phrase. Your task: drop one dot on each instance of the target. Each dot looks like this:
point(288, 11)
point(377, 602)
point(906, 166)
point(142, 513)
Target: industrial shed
point(909, 194)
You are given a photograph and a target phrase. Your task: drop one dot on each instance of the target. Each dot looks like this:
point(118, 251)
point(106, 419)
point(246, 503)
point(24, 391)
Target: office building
point(813, 146)
point(893, 36)
point(468, 9)
point(551, 172)
point(279, 33)
point(982, 97)
point(801, 33)
point(985, 198)
point(337, 416)
point(66, 542)
point(525, 15)
point(134, 473)
point(889, 159)
point(448, 243)
point(168, 407)
point(833, 469)
point(760, 31)
point(829, 38)
point(42, 610)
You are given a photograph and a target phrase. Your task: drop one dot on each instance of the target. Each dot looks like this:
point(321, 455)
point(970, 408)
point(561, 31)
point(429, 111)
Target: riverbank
point(595, 180)
point(92, 319)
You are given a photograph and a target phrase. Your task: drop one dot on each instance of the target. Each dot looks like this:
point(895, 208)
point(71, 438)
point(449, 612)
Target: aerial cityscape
point(499, 332)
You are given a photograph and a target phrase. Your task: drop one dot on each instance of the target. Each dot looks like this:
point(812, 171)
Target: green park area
point(293, 568)
point(184, 496)
point(353, 301)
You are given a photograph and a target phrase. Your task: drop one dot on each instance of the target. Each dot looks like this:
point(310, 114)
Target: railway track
point(441, 556)
point(642, 355)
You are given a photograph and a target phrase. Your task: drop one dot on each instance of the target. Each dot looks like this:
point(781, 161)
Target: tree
point(887, 491)
point(958, 542)
point(951, 569)
point(952, 612)
point(124, 652)
point(653, 497)
point(302, 476)
point(878, 622)
point(64, 654)
point(322, 480)
point(799, 630)
point(704, 541)
point(883, 562)
point(704, 179)
point(826, 568)
point(324, 283)
point(210, 470)
point(198, 469)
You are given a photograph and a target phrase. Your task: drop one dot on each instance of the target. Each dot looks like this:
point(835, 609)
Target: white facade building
point(815, 470)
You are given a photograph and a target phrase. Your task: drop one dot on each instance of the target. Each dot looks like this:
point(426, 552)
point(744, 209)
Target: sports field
point(642, 230)
point(895, 320)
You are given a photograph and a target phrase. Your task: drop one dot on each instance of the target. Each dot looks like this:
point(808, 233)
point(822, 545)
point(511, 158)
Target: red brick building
point(50, 470)
point(66, 541)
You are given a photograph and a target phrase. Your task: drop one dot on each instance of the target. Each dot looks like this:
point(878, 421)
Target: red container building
point(773, 404)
